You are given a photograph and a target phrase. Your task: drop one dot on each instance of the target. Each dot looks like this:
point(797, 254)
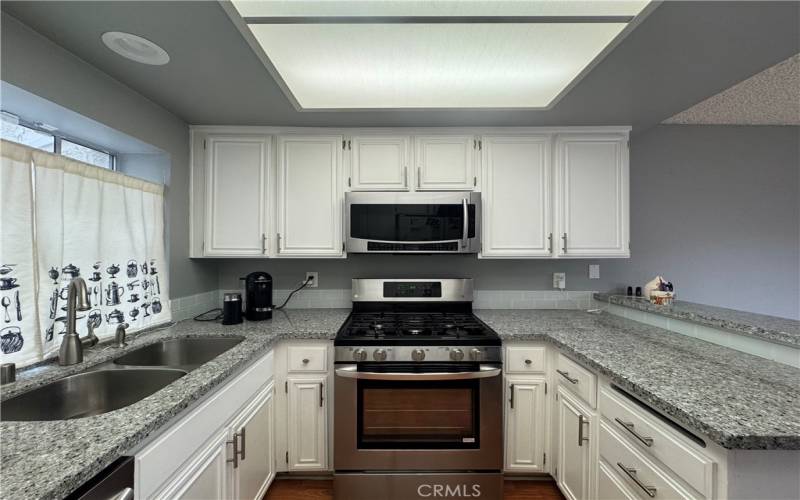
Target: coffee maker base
point(417, 485)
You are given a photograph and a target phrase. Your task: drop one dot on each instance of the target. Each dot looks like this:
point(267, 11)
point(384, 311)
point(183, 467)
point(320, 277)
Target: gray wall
point(41, 67)
point(714, 209)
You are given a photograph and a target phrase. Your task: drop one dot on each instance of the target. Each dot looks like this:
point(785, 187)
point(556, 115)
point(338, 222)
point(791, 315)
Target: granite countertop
point(735, 399)
point(770, 328)
point(738, 400)
point(51, 459)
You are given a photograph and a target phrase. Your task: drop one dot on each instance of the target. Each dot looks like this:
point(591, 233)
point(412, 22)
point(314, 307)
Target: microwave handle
point(351, 371)
point(465, 226)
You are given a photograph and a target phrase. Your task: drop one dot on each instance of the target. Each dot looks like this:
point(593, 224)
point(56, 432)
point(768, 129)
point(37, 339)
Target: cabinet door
point(379, 163)
point(592, 191)
point(516, 196)
point(254, 431)
point(236, 196)
point(445, 162)
point(525, 424)
point(574, 456)
point(204, 477)
point(309, 196)
point(307, 424)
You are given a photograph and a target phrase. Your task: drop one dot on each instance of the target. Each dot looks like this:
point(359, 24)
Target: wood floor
point(297, 489)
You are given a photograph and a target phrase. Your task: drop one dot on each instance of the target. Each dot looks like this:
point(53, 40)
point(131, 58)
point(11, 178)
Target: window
point(86, 154)
point(34, 136)
point(28, 136)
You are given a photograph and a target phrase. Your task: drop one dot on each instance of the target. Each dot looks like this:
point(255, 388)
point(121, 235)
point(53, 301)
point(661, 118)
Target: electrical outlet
point(594, 271)
point(314, 279)
point(560, 280)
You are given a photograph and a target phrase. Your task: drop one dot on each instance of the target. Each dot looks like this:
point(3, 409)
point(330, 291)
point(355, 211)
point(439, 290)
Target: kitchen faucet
point(71, 350)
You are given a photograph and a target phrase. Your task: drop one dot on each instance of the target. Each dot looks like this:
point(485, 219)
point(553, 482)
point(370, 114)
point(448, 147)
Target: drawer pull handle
point(631, 473)
point(628, 426)
point(235, 443)
point(511, 397)
point(528, 362)
point(305, 361)
point(581, 420)
point(566, 376)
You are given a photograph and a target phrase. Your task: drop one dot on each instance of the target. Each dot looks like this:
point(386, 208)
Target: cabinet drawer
point(652, 437)
point(638, 473)
point(577, 379)
point(610, 485)
point(525, 359)
point(308, 358)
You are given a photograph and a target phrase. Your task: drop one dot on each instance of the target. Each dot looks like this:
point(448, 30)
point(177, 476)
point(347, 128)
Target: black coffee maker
point(258, 296)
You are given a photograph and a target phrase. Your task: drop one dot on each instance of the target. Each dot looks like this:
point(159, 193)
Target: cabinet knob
point(305, 361)
point(528, 362)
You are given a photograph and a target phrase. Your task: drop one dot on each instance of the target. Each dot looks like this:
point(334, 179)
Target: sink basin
point(186, 354)
point(87, 394)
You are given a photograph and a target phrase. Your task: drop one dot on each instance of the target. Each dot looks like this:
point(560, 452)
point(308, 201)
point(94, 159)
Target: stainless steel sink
point(86, 394)
point(186, 354)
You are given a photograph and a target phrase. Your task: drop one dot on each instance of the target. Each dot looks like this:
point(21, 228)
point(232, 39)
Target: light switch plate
point(560, 280)
point(594, 271)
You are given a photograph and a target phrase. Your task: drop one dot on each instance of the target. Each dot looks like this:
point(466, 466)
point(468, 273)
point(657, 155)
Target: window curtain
point(102, 226)
point(19, 339)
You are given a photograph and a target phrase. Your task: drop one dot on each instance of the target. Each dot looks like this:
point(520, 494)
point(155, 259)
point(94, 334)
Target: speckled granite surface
point(769, 328)
point(51, 459)
point(737, 400)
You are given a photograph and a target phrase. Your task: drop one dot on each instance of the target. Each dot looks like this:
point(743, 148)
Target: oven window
point(435, 222)
point(418, 415)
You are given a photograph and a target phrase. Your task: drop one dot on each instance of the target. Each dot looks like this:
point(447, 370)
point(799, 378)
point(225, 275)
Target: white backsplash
point(484, 299)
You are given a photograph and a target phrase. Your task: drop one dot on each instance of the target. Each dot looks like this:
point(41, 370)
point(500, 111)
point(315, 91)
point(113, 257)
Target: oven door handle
point(351, 371)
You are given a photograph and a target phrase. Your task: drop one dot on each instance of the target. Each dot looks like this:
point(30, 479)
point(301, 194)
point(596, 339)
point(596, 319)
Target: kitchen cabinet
point(445, 162)
point(193, 458)
point(307, 423)
point(379, 163)
point(525, 424)
point(237, 172)
point(516, 196)
point(253, 430)
point(575, 441)
point(204, 477)
point(591, 195)
point(310, 196)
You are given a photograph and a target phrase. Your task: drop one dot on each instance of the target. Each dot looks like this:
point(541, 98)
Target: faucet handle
point(119, 336)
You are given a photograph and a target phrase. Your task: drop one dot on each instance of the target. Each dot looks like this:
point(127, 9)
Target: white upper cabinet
point(379, 163)
point(310, 194)
point(592, 195)
point(237, 173)
point(445, 162)
point(516, 196)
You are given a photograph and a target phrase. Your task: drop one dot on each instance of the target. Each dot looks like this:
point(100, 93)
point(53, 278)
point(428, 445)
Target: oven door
point(413, 222)
point(439, 417)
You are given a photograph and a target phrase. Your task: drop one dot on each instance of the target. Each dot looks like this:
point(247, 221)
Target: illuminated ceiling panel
point(447, 54)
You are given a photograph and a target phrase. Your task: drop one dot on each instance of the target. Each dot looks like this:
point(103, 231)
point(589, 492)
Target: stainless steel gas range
point(418, 393)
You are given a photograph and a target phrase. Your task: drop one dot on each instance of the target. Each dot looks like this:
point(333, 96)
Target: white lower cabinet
point(307, 423)
point(525, 425)
point(575, 457)
point(255, 467)
point(196, 458)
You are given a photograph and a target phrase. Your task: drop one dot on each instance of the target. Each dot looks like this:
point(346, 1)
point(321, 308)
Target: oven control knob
point(359, 355)
point(417, 354)
point(456, 354)
point(379, 355)
point(475, 354)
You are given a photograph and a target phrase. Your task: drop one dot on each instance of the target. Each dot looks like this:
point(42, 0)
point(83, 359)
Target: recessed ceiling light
point(135, 48)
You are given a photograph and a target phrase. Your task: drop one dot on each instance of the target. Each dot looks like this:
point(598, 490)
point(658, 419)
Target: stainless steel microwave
point(420, 222)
